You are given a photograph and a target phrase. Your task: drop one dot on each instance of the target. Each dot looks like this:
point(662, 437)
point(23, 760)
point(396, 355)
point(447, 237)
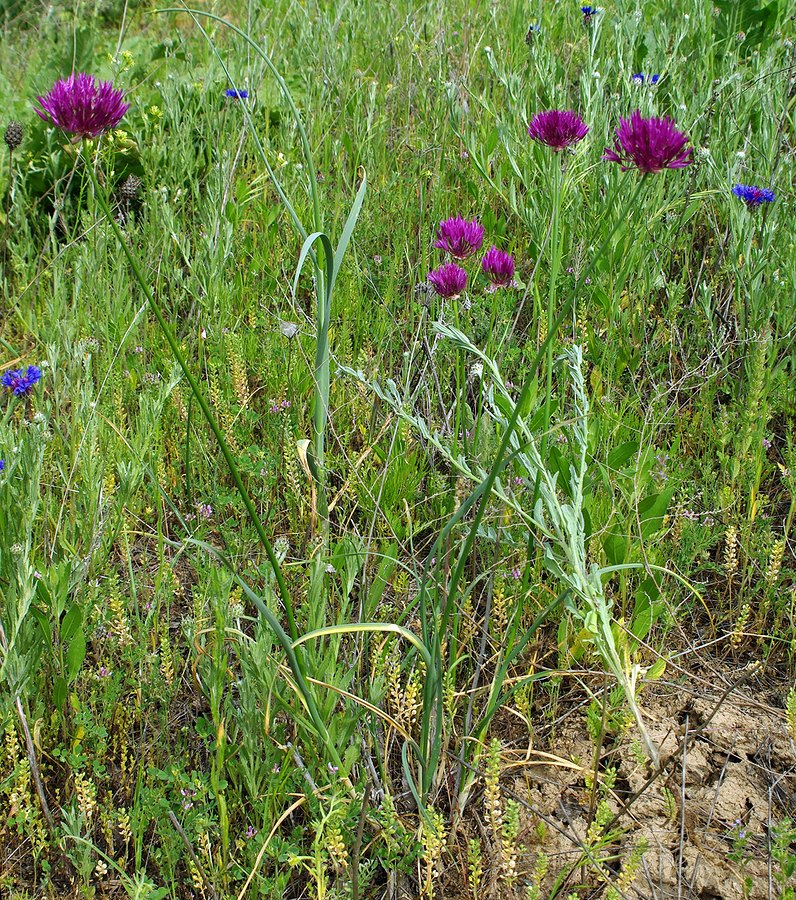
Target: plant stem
point(197, 392)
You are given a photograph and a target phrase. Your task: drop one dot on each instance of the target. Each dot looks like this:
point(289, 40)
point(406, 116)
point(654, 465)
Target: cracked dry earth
point(727, 770)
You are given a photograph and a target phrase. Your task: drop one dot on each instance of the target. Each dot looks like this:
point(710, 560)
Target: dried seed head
point(13, 135)
point(129, 189)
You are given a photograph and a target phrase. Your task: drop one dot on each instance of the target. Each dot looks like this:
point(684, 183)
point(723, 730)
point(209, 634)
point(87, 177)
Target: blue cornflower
point(640, 78)
point(236, 95)
point(2, 464)
point(18, 383)
point(753, 196)
point(588, 12)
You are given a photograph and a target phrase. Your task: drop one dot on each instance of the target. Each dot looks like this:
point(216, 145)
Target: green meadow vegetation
point(317, 580)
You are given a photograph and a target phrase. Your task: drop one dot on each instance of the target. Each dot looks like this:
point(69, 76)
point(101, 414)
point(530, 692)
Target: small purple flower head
point(649, 145)
point(459, 238)
point(236, 95)
point(498, 266)
point(753, 196)
point(641, 78)
point(19, 383)
point(449, 280)
point(81, 106)
point(558, 128)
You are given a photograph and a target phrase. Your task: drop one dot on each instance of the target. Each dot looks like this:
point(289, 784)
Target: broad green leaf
point(71, 623)
point(652, 509)
point(615, 546)
point(59, 693)
point(75, 655)
point(621, 454)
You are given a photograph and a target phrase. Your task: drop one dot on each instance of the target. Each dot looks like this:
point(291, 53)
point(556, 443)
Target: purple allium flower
point(558, 128)
point(18, 383)
point(449, 280)
point(79, 105)
point(753, 196)
point(650, 145)
point(236, 95)
point(459, 237)
point(498, 266)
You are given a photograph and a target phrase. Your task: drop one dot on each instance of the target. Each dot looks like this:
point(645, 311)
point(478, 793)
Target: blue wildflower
point(2, 464)
point(236, 95)
point(588, 12)
point(753, 196)
point(18, 383)
point(641, 78)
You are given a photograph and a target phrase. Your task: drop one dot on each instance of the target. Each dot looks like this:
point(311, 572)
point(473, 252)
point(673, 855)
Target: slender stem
point(552, 291)
point(197, 392)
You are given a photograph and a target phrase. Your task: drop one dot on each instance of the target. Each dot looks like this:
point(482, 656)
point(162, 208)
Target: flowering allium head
point(236, 95)
point(449, 280)
point(558, 128)
point(753, 196)
point(650, 145)
point(498, 266)
point(19, 383)
point(79, 105)
point(459, 237)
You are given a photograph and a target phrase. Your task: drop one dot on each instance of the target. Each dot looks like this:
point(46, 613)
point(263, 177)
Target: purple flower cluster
point(459, 238)
point(79, 105)
point(21, 383)
point(498, 266)
point(558, 128)
point(753, 196)
point(236, 95)
point(449, 280)
point(278, 407)
point(649, 145)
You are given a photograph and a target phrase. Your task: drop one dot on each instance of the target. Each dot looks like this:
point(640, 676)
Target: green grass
point(181, 747)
